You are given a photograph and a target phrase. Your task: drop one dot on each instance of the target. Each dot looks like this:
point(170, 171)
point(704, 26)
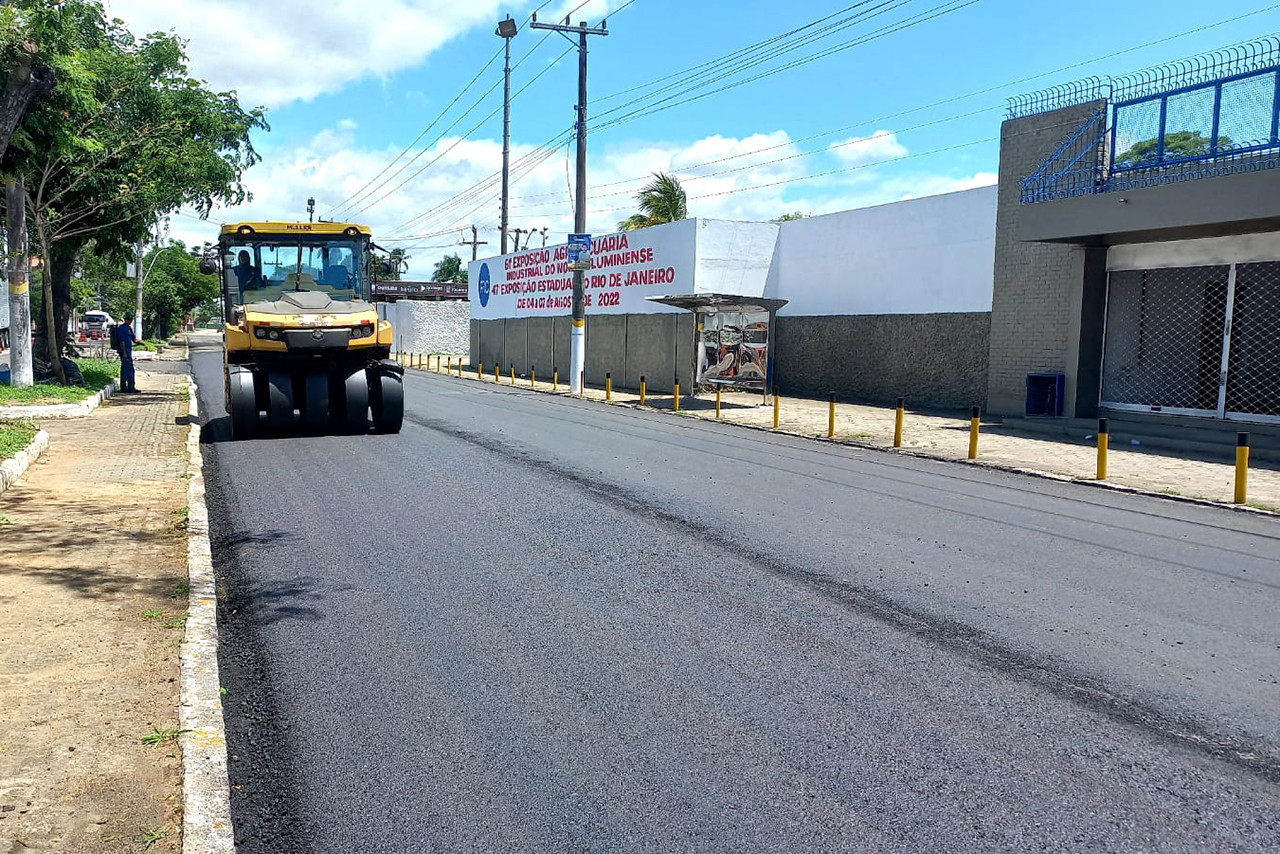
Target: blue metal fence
point(1212, 115)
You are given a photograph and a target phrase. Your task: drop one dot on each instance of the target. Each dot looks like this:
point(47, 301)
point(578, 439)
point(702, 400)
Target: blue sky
point(349, 85)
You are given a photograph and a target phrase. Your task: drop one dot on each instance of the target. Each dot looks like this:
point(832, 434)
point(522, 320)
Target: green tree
point(790, 217)
point(1183, 143)
point(662, 200)
point(450, 269)
point(126, 137)
point(174, 287)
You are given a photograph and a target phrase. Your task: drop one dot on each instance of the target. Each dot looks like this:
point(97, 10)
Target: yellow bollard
point(437, 363)
point(480, 371)
point(513, 373)
point(459, 367)
point(643, 390)
point(718, 390)
point(497, 373)
point(608, 386)
point(582, 384)
point(974, 424)
point(533, 376)
point(1242, 468)
point(1104, 440)
point(777, 404)
point(555, 378)
point(897, 422)
point(675, 405)
point(831, 417)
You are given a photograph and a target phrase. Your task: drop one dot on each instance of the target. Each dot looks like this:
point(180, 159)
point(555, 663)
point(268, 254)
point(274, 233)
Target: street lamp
point(507, 30)
point(311, 209)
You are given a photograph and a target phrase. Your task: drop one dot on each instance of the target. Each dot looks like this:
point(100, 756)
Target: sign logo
point(484, 286)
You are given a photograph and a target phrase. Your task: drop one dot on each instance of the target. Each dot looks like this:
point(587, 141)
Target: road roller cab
point(304, 346)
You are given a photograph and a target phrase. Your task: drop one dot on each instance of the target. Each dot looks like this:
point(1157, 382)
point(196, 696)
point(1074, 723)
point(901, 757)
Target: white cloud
point(281, 51)
point(913, 187)
point(881, 145)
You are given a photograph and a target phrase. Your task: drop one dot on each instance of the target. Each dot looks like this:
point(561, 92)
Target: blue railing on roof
point(1203, 117)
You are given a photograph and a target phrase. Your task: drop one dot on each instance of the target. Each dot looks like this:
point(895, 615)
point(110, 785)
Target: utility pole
point(506, 29)
point(137, 271)
point(20, 371)
point(543, 232)
point(474, 242)
point(578, 332)
point(311, 209)
point(517, 232)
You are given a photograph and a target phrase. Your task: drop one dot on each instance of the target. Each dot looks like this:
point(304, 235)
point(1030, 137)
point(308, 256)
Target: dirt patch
point(92, 598)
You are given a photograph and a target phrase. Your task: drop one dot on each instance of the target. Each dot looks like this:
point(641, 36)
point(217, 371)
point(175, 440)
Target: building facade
point(1138, 243)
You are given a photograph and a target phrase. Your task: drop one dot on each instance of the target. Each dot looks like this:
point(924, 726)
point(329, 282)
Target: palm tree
point(662, 200)
point(399, 260)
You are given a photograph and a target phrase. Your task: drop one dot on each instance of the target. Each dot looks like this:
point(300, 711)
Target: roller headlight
point(365, 331)
point(274, 334)
point(259, 332)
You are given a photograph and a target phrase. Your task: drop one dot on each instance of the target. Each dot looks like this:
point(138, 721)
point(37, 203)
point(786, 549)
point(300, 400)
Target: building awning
point(712, 303)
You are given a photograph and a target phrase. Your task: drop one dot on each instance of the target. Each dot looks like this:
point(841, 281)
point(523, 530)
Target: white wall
point(922, 256)
point(429, 326)
point(734, 257)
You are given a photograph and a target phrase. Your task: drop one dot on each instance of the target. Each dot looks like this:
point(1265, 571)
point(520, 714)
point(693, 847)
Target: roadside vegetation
point(15, 436)
point(97, 373)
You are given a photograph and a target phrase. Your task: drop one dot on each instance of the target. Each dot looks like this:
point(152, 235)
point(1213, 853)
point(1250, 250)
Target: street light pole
point(577, 331)
point(506, 29)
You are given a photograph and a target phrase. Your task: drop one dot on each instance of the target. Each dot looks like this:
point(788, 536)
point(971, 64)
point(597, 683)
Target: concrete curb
point(909, 452)
point(60, 410)
point(206, 795)
point(17, 465)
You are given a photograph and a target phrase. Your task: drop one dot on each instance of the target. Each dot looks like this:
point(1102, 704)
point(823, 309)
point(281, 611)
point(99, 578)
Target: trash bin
point(1045, 392)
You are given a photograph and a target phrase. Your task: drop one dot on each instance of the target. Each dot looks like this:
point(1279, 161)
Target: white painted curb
point(17, 465)
point(59, 410)
point(206, 797)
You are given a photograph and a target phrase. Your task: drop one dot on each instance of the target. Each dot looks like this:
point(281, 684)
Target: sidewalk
point(93, 567)
point(947, 438)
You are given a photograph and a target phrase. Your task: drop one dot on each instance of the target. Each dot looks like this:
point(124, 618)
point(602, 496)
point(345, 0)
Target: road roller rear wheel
point(316, 414)
point(388, 405)
point(356, 411)
point(243, 402)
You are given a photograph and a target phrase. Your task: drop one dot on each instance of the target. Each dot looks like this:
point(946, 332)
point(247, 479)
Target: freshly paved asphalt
point(533, 624)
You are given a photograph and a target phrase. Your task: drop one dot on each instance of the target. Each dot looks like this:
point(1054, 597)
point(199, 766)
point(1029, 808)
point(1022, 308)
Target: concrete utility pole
point(20, 371)
point(137, 272)
point(577, 332)
point(474, 242)
point(506, 29)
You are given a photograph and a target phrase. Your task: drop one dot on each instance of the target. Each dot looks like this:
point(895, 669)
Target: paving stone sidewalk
point(92, 598)
point(947, 437)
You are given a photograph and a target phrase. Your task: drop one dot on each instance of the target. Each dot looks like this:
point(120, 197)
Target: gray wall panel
point(935, 360)
point(541, 346)
point(606, 347)
point(650, 351)
point(517, 339)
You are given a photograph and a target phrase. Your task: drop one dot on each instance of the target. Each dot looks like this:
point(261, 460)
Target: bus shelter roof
point(712, 303)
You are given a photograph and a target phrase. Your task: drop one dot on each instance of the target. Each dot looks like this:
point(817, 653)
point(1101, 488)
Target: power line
point(420, 135)
point(984, 91)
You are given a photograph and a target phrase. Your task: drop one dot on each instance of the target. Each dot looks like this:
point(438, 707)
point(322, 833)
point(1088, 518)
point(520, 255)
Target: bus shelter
point(734, 346)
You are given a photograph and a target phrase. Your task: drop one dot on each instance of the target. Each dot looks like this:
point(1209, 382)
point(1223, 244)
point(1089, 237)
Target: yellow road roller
point(304, 349)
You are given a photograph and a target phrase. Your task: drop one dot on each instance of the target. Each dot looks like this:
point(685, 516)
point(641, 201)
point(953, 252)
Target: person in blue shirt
point(128, 381)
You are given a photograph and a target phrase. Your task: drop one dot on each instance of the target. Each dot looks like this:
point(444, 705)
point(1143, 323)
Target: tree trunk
point(20, 367)
point(26, 82)
point(52, 340)
point(62, 266)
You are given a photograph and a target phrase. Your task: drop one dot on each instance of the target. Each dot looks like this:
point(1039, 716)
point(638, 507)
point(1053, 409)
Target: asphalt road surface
point(532, 624)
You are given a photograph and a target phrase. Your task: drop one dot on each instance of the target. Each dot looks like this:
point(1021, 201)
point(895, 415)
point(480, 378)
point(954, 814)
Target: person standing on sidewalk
point(128, 380)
